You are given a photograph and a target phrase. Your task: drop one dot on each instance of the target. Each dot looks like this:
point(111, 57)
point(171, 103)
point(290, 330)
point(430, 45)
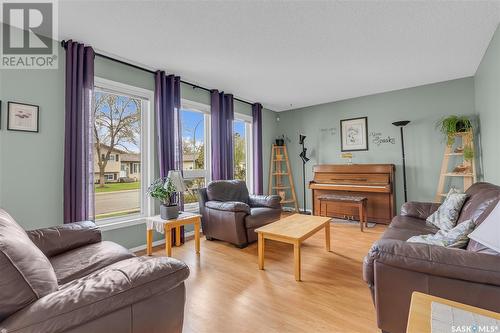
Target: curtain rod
point(195, 86)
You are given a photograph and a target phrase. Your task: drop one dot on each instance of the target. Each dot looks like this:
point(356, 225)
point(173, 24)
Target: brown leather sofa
point(66, 279)
point(394, 269)
point(230, 214)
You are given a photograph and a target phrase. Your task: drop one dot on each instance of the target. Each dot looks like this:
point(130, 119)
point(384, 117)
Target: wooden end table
point(166, 226)
point(293, 230)
point(357, 202)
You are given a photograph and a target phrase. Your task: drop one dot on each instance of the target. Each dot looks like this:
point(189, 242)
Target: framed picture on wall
point(22, 117)
point(354, 134)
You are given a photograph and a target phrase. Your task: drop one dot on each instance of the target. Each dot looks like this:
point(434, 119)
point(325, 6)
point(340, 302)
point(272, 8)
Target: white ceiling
point(288, 54)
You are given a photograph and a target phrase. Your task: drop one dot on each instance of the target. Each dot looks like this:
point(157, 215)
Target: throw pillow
point(488, 232)
point(456, 237)
point(446, 216)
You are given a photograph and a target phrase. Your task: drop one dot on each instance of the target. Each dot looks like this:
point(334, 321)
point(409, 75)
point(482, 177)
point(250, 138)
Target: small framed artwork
point(354, 134)
point(22, 117)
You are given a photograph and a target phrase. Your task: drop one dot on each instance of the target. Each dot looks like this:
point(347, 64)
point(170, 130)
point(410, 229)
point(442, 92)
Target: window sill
point(122, 223)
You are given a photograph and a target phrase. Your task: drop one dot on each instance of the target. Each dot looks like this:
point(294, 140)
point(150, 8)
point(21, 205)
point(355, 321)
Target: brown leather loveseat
point(65, 279)
point(230, 214)
point(394, 269)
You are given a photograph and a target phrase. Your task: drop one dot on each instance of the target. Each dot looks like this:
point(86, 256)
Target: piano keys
point(373, 181)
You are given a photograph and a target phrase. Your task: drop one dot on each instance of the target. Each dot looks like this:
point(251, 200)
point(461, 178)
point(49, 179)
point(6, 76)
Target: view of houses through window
point(195, 148)
point(240, 158)
point(117, 154)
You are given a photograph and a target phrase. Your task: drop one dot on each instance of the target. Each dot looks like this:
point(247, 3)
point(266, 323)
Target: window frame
point(147, 147)
point(205, 109)
point(248, 147)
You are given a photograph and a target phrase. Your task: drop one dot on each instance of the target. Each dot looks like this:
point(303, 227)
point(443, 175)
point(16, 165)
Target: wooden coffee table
point(293, 230)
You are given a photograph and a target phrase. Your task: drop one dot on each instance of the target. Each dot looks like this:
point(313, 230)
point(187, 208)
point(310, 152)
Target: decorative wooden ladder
point(469, 177)
point(280, 177)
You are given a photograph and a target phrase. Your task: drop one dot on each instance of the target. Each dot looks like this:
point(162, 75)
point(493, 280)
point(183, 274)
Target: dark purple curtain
point(222, 114)
point(167, 105)
point(258, 182)
point(78, 140)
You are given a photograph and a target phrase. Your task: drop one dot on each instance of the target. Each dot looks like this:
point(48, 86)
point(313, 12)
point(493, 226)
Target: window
point(137, 168)
point(242, 156)
point(195, 125)
point(121, 124)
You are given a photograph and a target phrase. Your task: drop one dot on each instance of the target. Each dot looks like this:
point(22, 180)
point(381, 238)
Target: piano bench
point(346, 201)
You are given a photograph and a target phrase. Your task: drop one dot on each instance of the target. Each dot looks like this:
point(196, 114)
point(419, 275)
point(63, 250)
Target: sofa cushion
point(260, 216)
point(228, 190)
point(455, 238)
point(228, 206)
point(84, 260)
point(114, 287)
point(488, 232)
point(58, 239)
point(446, 216)
point(26, 273)
point(483, 197)
point(400, 233)
point(412, 223)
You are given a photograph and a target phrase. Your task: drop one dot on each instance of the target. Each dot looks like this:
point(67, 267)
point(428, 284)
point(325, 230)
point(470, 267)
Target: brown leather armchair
point(394, 269)
point(66, 279)
point(230, 214)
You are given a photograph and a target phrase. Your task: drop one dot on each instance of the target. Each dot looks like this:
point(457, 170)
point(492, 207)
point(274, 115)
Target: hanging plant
point(451, 125)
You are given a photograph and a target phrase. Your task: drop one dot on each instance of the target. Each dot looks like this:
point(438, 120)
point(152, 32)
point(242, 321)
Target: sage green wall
point(487, 99)
point(423, 106)
point(31, 165)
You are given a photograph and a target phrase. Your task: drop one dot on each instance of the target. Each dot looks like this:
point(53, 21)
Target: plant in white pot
point(164, 189)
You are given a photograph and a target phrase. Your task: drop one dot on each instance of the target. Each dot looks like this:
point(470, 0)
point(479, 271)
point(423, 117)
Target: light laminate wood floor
point(226, 292)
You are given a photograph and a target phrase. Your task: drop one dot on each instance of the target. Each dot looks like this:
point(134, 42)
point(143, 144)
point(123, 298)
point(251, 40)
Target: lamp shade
point(177, 180)
point(401, 123)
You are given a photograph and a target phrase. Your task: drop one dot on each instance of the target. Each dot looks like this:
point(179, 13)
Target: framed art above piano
point(373, 181)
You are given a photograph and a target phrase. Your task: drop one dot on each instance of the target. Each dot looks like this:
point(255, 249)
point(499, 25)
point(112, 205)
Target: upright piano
point(373, 181)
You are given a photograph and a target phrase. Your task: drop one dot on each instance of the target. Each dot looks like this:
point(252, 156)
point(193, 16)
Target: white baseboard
point(159, 242)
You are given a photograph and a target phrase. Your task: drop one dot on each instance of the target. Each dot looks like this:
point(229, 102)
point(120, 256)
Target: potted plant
point(163, 189)
point(468, 153)
point(280, 140)
point(451, 125)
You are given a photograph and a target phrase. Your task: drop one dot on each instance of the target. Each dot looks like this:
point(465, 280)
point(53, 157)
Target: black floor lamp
point(304, 158)
point(402, 124)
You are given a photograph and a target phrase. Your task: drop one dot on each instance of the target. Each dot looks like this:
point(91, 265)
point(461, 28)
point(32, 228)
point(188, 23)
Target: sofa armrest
point(122, 284)
point(438, 261)
point(55, 240)
point(419, 210)
point(270, 201)
point(228, 206)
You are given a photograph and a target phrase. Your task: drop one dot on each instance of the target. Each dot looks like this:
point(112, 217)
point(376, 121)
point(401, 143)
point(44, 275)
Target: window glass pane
point(193, 139)
point(117, 130)
point(193, 185)
point(240, 158)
